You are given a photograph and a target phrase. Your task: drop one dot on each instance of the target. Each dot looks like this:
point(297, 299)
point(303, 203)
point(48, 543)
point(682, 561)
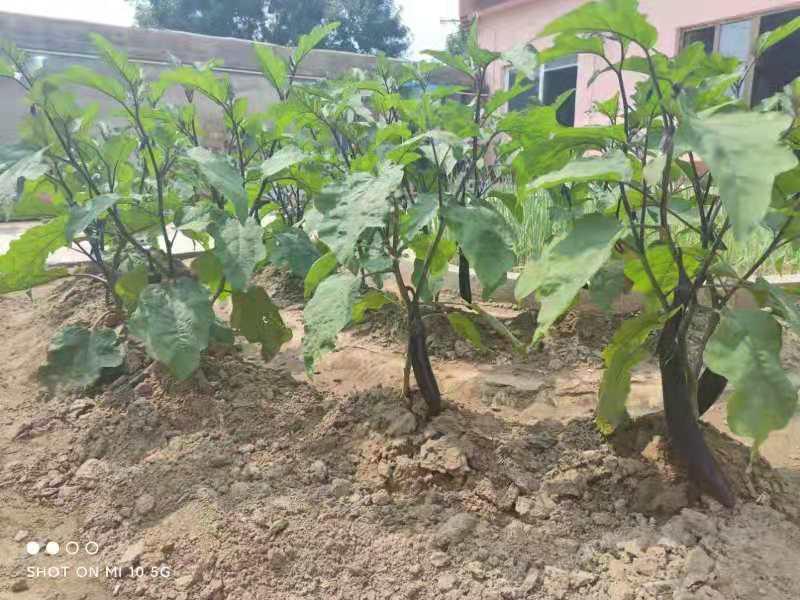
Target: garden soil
point(253, 482)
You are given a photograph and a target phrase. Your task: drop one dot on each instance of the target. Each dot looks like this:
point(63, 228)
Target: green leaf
point(28, 167)
point(419, 215)
point(454, 61)
point(322, 267)
point(782, 304)
point(221, 334)
point(543, 145)
point(485, 239)
point(626, 350)
point(480, 57)
point(202, 80)
point(613, 167)
point(86, 77)
point(663, 267)
point(619, 17)
point(745, 153)
point(372, 300)
point(80, 217)
point(326, 314)
point(116, 59)
point(77, 356)
point(239, 249)
point(311, 40)
point(770, 38)
point(284, 158)
point(503, 97)
point(352, 206)
point(223, 177)
point(207, 268)
point(524, 59)
point(295, 250)
point(23, 266)
point(173, 321)
point(568, 44)
point(745, 348)
point(463, 326)
point(608, 284)
point(273, 66)
point(257, 318)
point(130, 285)
point(566, 266)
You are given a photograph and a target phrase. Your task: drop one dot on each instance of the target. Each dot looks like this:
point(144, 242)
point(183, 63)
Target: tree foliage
point(367, 26)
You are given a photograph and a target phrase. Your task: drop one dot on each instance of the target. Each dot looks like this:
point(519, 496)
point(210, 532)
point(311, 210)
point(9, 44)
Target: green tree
point(368, 26)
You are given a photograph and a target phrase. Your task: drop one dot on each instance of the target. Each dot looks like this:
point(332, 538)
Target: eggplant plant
point(120, 191)
point(683, 171)
point(412, 190)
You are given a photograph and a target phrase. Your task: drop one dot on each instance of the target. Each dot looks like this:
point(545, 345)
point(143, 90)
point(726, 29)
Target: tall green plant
point(680, 151)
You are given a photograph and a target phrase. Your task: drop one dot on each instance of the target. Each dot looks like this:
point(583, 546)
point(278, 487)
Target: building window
point(779, 66)
point(553, 79)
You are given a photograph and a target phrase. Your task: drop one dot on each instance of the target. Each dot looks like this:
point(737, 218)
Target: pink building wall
point(517, 21)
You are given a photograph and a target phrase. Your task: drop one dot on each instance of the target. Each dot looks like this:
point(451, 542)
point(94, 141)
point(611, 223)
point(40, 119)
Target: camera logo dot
point(72, 548)
point(33, 548)
point(52, 548)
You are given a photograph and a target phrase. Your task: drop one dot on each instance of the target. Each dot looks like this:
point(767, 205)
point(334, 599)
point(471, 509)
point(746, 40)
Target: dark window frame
point(570, 62)
point(755, 29)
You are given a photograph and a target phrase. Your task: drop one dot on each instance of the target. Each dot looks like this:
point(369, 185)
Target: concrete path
point(66, 256)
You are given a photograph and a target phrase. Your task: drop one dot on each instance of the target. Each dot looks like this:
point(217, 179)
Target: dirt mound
point(245, 484)
point(284, 288)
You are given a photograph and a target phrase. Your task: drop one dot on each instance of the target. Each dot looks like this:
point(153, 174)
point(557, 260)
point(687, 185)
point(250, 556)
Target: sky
point(424, 21)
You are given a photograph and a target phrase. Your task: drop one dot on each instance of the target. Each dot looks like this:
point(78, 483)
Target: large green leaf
point(80, 217)
point(568, 44)
point(745, 153)
point(239, 249)
point(619, 17)
point(295, 250)
point(541, 144)
point(566, 266)
point(614, 167)
point(23, 266)
point(207, 268)
point(326, 314)
point(257, 318)
point(464, 326)
point(524, 59)
point(770, 38)
point(662, 266)
point(419, 215)
point(12, 179)
point(782, 304)
point(173, 321)
point(746, 348)
point(86, 77)
point(352, 206)
point(130, 285)
point(311, 40)
point(485, 239)
point(283, 159)
point(223, 177)
point(77, 356)
point(273, 66)
point(608, 284)
point(116, 59)
point(204, 81)
point(372, 300)
point(322, 267)
point(626, 350)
